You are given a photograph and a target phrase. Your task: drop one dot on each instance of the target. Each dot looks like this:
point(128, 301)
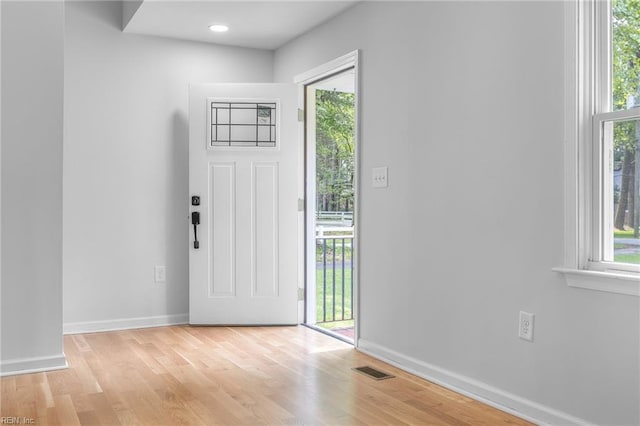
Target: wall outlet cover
point(160, 272)
point(525, 326)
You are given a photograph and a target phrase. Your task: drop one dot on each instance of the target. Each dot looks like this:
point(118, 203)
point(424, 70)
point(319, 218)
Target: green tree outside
point(335, 165)
point(626, 94)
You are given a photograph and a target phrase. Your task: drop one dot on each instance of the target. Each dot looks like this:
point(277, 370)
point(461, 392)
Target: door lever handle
point(195, 221)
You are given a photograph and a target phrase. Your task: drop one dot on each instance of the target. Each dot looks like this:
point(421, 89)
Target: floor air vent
point(373, 373)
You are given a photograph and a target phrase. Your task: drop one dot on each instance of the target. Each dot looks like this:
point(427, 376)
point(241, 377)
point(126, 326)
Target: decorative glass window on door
point(243, 124)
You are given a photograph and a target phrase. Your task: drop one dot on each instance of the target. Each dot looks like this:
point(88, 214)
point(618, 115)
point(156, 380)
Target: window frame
point(587, 107)
point(602, 194)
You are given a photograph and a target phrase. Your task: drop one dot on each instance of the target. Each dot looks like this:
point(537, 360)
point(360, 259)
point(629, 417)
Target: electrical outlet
point(160, 273)
point(525, 327)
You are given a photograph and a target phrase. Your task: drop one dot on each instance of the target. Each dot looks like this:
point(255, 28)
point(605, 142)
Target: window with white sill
point(603, 142)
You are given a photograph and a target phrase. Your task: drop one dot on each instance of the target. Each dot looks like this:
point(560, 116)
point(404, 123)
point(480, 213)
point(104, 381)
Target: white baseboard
point(32, 365)
point(479, 391)
point(124, 324)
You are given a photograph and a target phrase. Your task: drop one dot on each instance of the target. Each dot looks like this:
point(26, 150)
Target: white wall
point(0, 179)
point(463, 102)
point(126, 164)
point(32, 133)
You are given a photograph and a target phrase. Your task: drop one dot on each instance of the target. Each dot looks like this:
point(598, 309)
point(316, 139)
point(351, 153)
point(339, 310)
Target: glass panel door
point(330, 106)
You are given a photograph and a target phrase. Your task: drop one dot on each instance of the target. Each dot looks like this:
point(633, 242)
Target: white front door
point(243, 166)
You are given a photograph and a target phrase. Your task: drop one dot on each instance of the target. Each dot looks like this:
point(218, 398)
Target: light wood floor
point(220, 375)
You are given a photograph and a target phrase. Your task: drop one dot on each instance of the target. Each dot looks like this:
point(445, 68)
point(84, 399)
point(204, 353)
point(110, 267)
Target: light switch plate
point(379, 177)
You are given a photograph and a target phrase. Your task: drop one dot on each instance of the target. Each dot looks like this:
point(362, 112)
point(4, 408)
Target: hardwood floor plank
point(103, 410)
point(80, 343)
point(211, 408)
point(225, 375)
point(88, 418)
point(65, 410)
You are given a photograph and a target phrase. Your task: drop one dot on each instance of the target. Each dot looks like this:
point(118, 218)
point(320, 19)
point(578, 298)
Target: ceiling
point(258, 24)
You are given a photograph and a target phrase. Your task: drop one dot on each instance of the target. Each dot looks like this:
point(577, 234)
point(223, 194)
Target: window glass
point(621, 138)
point(625, 48)
point(622, 192)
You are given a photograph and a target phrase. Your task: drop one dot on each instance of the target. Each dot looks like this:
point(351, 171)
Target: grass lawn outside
point(325, 298)
point(334, 287)
point(627, 233)
point(632, 258)
point(339, 253)
point(627, 258)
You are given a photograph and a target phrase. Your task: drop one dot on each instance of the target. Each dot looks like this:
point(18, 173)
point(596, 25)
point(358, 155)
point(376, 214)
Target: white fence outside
point(332, 218)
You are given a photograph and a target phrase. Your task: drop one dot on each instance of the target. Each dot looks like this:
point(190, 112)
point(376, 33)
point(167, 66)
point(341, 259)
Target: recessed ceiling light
point(218, 28)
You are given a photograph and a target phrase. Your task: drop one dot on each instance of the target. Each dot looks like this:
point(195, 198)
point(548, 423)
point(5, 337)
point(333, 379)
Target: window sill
point(612, 282)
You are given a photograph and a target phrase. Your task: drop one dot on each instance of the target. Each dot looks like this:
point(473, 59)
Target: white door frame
point(343, 63)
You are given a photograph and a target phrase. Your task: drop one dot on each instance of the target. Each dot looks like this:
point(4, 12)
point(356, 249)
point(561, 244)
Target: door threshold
point(330, 333)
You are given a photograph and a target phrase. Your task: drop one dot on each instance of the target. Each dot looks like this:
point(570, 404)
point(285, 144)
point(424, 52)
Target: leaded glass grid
point(243, 124)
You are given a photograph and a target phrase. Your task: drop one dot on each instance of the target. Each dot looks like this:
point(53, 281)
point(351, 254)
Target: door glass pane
point(243, 124)
point(330, 175)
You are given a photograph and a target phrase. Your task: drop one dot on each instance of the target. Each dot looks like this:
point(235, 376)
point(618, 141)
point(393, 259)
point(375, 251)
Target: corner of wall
point(13, 367)
point(32, 64)
point(129, 9)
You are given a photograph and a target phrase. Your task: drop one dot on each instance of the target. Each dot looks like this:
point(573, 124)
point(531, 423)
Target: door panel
point(265, 234)
point(222, 224)
point(245, 271)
